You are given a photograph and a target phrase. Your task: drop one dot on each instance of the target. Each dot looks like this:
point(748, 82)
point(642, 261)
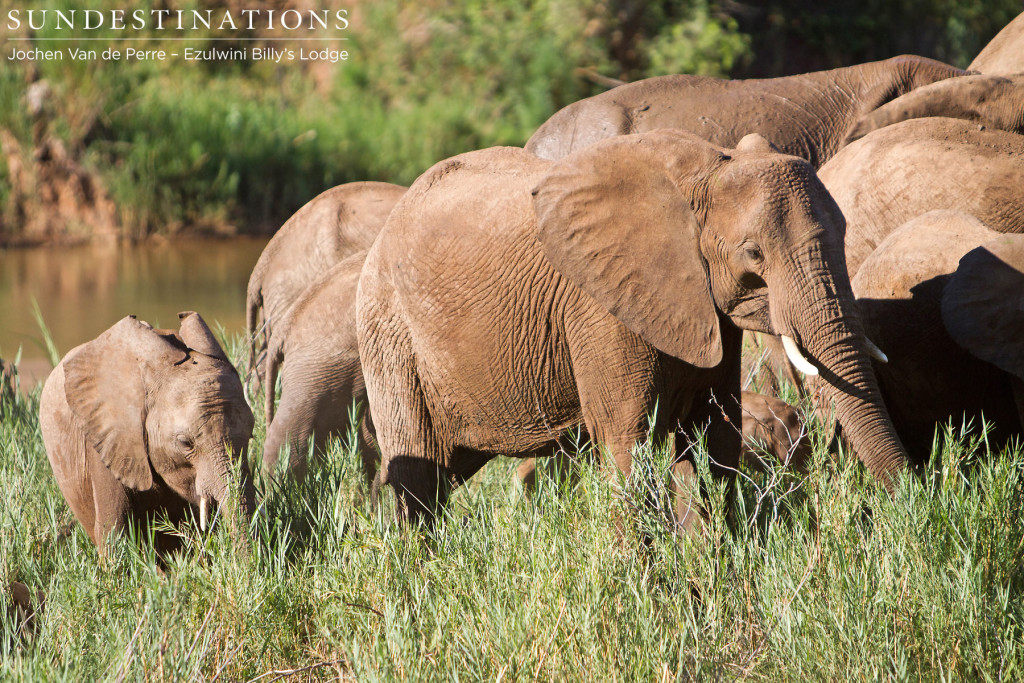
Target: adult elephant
point(809, 115)
point(991, 101)
point(322, 378)
point(1004, 54)
point(944, 295)
point(900, 172)
point(332, 226)
point(510, 299)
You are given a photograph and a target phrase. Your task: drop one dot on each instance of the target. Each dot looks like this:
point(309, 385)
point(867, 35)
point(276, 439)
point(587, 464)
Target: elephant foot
point(421, 487)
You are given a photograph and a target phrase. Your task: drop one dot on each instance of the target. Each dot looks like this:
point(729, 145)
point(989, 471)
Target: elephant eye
point(753, 252)
point(185, 442)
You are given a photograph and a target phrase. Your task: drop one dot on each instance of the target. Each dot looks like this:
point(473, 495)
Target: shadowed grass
point(800, 577)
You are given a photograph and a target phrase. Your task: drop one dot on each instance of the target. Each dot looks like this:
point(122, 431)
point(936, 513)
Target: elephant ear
point(983, 303)
point(105, 387)
point(614, 220)
point(197, 335)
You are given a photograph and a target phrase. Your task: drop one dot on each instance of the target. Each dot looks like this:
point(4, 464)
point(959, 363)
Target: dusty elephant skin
point(808, 116)
point(899, 172)
point(1004, 54)
point(331, 227)
point(991, 101)
point(142, 421)
point(321, 377)
point(945, 295)
point(772, 431)
point(509, 299)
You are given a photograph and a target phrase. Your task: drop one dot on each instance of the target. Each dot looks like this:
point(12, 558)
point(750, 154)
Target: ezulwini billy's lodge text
point(214, 54)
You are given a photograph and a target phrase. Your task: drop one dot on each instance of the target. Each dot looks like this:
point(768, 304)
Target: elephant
point(899, 172)
point(992, 101)
point(23, 608)
point(510, 299)
point(339, 222)
point(944, 295)
point(142, 421)
point(808, 115)
point(1004, 54)
point(322, 377)
point(771, 427)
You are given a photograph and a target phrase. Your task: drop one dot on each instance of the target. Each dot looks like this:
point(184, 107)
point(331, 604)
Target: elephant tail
point(271, 365)
point(255, 325)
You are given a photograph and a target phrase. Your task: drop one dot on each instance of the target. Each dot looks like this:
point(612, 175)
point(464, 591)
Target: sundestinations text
point(177, 20)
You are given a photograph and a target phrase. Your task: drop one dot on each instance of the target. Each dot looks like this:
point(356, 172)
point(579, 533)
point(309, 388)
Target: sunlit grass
point(820, 576)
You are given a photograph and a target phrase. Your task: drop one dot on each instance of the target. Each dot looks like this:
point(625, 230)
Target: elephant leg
point(411, 453)
point(717, 412)
point(616, 377)
point(1018, 396)
point(369, 452)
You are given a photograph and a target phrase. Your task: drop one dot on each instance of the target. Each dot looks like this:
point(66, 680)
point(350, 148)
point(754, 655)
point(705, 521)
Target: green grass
point(820, 577)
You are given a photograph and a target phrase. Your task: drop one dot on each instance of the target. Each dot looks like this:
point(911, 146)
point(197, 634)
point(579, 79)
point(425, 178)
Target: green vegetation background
point(235, 147)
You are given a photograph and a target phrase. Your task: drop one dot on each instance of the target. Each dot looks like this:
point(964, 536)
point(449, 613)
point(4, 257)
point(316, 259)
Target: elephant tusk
point(797, 358)
point(875, 352)
point(202, 513)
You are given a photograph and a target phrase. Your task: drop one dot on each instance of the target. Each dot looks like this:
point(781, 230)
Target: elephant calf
point(321, 377)
point(140, 422)
point(332, 226)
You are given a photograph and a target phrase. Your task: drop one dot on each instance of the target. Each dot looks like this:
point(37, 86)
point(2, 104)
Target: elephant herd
point(870, 219)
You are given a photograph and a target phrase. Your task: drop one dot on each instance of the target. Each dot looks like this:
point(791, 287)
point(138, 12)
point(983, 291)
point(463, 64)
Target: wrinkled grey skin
point(331, 227)
point(990, 101)
point(899, 172)
point(808, 116)
point(510, 300)
point(321, 377)
point(142, 421)
point(1004, 54)
point(773, 431)
point(945, 295)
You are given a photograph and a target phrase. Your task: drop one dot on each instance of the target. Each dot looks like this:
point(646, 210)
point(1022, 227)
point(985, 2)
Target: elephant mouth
point(751, 313)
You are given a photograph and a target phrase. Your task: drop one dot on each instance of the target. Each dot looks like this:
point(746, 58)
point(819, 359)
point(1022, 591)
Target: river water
point(82, 291)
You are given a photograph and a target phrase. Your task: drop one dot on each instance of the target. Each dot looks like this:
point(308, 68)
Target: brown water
point(82, 291)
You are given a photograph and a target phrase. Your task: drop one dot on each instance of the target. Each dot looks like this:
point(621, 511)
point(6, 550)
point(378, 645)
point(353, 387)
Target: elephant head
point(983, 306)
point(673, 235)
point(993, 101)
point(164, 408)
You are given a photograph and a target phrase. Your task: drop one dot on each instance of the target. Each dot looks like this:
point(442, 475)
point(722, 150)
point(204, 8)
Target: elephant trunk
point(234, 496)
point(825, 325)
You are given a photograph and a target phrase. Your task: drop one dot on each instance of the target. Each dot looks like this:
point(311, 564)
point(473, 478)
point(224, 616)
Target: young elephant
point(142, 421)
point(332, 226)
point(944, 294)
point(322, 377)
point(808, 115)
point(510, 299)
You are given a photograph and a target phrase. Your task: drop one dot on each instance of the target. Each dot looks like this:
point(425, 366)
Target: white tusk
point(202, 513)
point(797, 358)
point(875, 352)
